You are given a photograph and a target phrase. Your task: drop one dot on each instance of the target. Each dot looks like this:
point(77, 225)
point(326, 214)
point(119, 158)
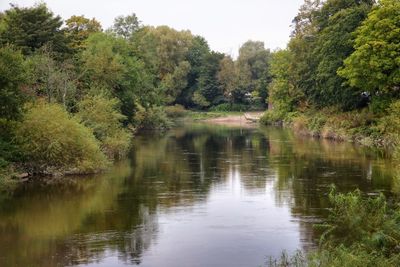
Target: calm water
point(197, 196)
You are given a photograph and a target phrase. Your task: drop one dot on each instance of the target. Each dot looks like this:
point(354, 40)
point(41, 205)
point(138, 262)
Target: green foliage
point(284, 96)
point(7, 181)
point(252, 68)
point(31, 28)
point(162, 48)
point(389, 125)
point(200, 100)
point(334, 44)
point(375, 64)
point(174, 83)
point(153, 118)
point(227, 77)
point(126, 26)
point(298, 259)
point(176, 111)
point(209, 89)
point(52, 141)
point(78, 29)
point(103, 117)
point(109, 63)
point(52, 79)
point(227, 107)
point(360, 231)
point(379, 105)
point(12, 77)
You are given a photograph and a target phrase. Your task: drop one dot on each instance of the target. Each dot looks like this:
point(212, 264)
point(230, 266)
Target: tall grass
point(360, 231)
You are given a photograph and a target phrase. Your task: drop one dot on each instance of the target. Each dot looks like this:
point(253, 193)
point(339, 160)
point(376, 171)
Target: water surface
point(198, 195)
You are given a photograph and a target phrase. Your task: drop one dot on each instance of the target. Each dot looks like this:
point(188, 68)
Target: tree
point(78, 29)
point(208, 85)
point(196, 55)
point(375, 64)
point(227, 77)
point(12, 78)
point(174, 83)
point(31, 28)
point(126, 26)
point(110, 64)
point(162, 48)
point(102, 115)
point(252, 67)
point(284, 96)
point(334, 44)
point(54, 80)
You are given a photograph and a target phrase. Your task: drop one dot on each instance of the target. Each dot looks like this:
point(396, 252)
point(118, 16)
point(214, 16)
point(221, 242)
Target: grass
point(360, 231)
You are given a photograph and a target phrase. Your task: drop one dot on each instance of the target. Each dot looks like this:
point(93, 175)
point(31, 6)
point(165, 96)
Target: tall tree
point(110, 64)
point(252, 67)
point(208, 86)
point(196, 55)
point(12, 77)
point(227, 78)
point(337, 21)
point(126, 26)
point(78, 29)
point(284, 95)
point(375, 64)
point(173, 83)
point(31, 28)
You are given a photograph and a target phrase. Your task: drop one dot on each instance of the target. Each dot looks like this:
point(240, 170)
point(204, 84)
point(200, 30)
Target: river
point(198, 195)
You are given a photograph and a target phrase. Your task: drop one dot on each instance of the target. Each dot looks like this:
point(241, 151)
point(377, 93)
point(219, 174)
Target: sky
point(226, 24)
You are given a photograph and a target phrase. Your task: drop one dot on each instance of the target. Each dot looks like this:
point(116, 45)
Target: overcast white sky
point(226, 24)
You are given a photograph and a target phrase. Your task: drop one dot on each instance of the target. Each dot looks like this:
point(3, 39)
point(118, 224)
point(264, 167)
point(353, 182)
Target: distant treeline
point(72, 92)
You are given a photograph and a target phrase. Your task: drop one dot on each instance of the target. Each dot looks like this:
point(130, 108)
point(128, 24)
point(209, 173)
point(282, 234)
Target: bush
point(226, 107)
point(379, 106)
point(277, 116)
point(7, 183)
point(389, 125)
point(51, 141)
point(359, 232)
point(153, 118)
point(176, 111)
point(101, 114)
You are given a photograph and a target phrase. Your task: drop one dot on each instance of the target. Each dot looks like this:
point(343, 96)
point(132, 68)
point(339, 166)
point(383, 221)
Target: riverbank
point(244, 119)
point(361, 126)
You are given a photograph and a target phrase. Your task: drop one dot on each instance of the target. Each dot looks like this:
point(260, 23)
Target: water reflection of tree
point(117, 213)
point(305, 170)
point(77, 222)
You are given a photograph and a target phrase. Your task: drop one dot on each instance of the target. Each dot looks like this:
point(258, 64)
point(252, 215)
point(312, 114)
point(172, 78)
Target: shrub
point(379, 106)
point(52, 141)
point(227, 107)
point(176, 111)
point(7, 182)
point(153, 118)
point(359, 231)
point(101, 114)
point(200, 100)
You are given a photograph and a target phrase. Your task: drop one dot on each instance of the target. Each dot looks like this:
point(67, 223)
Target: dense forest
point(339, 76)
point(72, 93)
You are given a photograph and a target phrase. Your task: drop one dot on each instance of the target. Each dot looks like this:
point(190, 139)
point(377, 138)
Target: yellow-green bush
point(101, 114)
point(151, 118)
point(52, 141)
point(176, 111)
point(389, 125)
